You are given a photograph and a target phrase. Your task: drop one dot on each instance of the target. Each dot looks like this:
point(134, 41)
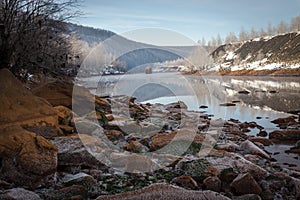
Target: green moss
point(182, 147)
point(195, 168)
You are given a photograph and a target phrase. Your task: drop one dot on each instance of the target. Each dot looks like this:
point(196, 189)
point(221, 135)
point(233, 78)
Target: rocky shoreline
point(278, 72)
point(126, 150)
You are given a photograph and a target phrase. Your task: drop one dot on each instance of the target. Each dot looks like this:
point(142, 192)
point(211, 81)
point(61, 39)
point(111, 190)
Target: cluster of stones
point(48, 151)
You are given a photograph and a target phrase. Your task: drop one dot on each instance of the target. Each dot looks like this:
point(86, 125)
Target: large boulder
point(58, 93)
point(184, 136)
point(73, 151)
point(26, 158)
point(245, 184)
point(71, 192)
point(20, 107)
point(19, 194)
point(200, 168)
point(65, 93)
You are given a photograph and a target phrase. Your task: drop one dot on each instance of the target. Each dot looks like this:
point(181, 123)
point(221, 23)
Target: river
point(255, 98)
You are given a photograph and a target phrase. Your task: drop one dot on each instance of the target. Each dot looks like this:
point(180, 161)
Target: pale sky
point(192, 18)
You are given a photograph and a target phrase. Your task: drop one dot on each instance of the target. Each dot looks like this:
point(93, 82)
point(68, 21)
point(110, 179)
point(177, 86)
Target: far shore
point(282, 72)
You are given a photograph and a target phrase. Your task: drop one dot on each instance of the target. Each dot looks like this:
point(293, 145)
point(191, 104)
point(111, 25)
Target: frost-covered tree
point(213, 42)
point(31, 33)
point(219, 40)
point(243, 35)
point(295, 24)
point(282, 27)
point(270, 30)
point(202, 42)
point(262, 32)
point(253, 33)
point(199, 58)
point(230, 38)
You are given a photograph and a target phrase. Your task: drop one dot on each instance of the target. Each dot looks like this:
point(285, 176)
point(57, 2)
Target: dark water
point(265, 99)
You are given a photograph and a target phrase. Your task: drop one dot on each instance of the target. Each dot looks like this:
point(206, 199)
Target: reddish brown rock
point(110, 117)
point(262, 140)
point(64, 93)
point(58, 93)
point(245, 184)
point(20, 107)
point(136, 147)
point(160, 140)
point(186, 182)
point(65, 115)
point(290, 119)
point(212, 183)
point(26, 159)
point(67, 129)
point(102, 104)
point(114, 135)
point(285, 135)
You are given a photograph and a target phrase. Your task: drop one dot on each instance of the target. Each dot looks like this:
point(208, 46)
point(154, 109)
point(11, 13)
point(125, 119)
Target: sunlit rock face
point(26, 158)
point(20, 107)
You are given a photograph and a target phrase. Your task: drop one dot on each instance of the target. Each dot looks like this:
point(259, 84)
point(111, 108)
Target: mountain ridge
point(269, 53)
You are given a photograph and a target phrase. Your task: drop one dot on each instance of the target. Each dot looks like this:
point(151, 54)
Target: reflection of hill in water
point(152, 91)
point(278, 93)
point(286, 96)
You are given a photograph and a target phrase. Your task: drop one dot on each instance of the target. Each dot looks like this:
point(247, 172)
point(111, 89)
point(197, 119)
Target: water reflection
point(276, 93)
point(263, 99)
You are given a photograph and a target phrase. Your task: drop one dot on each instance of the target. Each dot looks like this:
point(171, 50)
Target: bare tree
point(199, 58)
point(282, 27)
point(295, 24)
point(219, 40)
point(231, 37)
point(243, 36)
point(203, 41)
point(31, 33)
point(270, 30)
point(253, 33)
point(213, 42)
point(262, 32)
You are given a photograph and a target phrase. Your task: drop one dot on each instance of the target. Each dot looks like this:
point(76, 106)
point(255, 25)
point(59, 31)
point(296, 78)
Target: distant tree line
point(32, 34)
point(245, 35)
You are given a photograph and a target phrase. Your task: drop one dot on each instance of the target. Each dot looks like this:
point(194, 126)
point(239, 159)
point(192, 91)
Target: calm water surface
point(267, 98)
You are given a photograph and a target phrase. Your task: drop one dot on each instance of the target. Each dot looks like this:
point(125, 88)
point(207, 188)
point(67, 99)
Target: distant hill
point(89, 34)
point(132, 53)
point(278, 52)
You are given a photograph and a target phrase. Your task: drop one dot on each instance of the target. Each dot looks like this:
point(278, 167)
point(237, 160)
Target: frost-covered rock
point(249, 147)
point(19, 194)
point(163, 191)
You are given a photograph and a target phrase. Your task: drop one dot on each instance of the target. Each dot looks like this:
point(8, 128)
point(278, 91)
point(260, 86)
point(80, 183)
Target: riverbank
point(105, 146)
point(282, 72)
